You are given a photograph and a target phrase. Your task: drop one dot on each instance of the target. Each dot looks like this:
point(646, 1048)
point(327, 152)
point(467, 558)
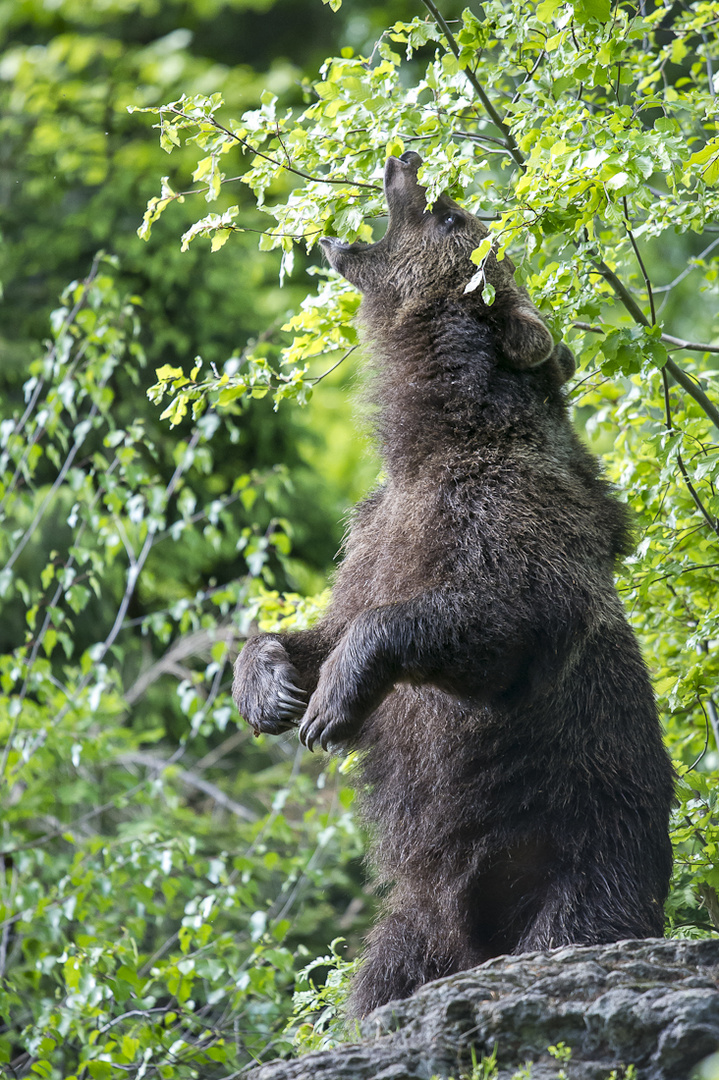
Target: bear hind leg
point(404, 951)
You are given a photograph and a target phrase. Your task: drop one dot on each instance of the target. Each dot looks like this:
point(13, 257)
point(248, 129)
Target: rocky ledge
point(642, 1009)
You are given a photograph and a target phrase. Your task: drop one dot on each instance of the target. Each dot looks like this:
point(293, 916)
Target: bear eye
point(450, 219)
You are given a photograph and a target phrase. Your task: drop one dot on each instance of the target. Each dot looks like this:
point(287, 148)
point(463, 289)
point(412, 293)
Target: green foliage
point(317, 1022)
point(139, 932)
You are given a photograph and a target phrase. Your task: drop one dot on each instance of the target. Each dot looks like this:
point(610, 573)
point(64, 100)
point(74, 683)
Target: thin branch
point(706, 739)
point(691, 346)
point(639, 259)
point(111, 804)
point(190, 645)
point(101, 652)
point(476, 85)
point(87, 427)
point(475, 136)
point(69, 319)
point(191, 779)
point(693, 391)
point(670, 339)
point(674, 370)
point(713, 719)
point(273, 161)
point(10, 903)
point(132, 1012)
point(230, 743)
point(678, 573)
point(528, 74)
point(711, 522)
point(708, 61)
point(622, 292)
point(319, 378)
point(267, 232)
point(687, 270)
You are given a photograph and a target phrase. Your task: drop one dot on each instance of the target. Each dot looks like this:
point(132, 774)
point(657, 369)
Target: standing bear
point(516, 789)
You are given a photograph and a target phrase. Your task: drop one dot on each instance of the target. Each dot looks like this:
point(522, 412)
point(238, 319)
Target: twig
point(639, 259)
point(687, 270)
point(273, 161)
point(678, 573)
point(189, 645)
point(69, 319)
point(17, 551)
point(228, 744)
point(693, 391)
point(528, 75)
point(319, 378)
point(622, 292)
point(95, 812)
point(476, 85)
point(706, 739)
point(131, 1012)
point(678, 343)
point(133, 574)
point(711, 522)
point(476, 136)
point(713, 719)
point(674, 370)
point(8, 907)
point(191, 779)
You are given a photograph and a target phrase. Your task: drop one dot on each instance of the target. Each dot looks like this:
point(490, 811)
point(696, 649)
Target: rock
point(651, 1004)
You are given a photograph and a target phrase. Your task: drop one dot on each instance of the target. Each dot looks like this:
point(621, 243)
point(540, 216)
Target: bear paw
point(328, 718)
point(265, 687)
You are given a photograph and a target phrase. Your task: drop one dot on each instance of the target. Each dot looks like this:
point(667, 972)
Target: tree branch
point(711, 522)
point(678, 343)
point(191, 644)
point(693, 391)
point(640, 260)
point(679, 376)
point(191, 779)
point(111, 804)
point(274, 161)
point(476, 85)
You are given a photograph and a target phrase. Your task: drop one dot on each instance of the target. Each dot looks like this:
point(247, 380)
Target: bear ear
point(524, 339)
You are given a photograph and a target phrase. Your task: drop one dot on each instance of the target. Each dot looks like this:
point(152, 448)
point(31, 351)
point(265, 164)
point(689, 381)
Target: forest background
point(166, 880)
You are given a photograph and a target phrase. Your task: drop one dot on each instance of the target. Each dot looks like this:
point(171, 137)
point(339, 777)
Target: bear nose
point(409, 157)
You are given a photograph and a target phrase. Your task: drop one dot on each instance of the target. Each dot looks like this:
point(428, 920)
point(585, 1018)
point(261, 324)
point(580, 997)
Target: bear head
point(424, 258)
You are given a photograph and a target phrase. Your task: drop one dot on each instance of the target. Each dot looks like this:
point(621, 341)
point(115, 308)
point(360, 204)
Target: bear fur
point(516, 788)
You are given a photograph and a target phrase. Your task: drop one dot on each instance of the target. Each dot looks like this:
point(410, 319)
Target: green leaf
point(100, 1070)
point(167, 372)
point(584, 10)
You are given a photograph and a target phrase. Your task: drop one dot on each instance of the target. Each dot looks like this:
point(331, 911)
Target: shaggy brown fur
point(516, 786)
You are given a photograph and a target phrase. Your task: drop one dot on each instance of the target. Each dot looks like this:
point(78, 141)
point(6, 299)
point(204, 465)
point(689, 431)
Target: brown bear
point(516, 788)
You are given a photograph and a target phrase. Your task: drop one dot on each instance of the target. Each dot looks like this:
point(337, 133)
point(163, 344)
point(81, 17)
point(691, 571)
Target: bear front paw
point(265, 687)
point(323, 725)
point(328, 718)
